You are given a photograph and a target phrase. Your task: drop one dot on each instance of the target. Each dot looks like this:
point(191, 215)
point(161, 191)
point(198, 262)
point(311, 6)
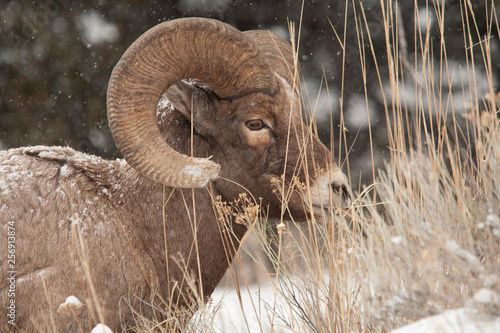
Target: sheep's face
point(261, 144)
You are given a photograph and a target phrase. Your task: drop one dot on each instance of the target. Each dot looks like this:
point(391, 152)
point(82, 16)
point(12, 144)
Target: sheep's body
point(56, 197)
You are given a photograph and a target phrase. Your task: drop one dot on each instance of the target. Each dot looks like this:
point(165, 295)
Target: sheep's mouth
point(324, 210)
point(320, 211)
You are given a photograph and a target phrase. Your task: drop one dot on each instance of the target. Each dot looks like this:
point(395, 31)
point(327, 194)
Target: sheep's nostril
point(342, 190)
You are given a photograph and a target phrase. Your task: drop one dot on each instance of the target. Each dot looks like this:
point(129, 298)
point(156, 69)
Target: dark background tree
point(56, 57)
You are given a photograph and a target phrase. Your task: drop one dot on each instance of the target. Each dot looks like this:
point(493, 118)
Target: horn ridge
point(205, 49)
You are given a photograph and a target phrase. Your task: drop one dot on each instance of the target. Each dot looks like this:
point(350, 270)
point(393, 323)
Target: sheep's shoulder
point(63, 208)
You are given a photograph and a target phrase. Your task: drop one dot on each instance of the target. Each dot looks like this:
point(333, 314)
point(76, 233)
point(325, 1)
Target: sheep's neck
point(182, 236)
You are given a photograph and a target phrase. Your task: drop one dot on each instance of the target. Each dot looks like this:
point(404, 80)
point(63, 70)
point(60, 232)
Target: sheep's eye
point(255, 124)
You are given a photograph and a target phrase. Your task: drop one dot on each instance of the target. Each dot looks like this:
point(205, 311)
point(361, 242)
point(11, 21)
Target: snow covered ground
point(467, 319)
point(464, 320)
point(257, 302)
point(255, 305)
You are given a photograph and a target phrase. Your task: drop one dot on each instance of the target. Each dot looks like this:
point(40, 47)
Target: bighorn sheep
point(113, 233)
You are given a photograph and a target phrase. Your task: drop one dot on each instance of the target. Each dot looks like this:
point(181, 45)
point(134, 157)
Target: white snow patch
point(76, 222)
point(71, 302)
point(61, 224)
point(281, 227)
point(106, 193)
point(84, 229)
point(43, 273)
point(260, 307)
point(451, 321)
point(163, 109)
point(101, 328)
point(163, 103)
point(58, 191)
point(65, 170)
point(486, 296)
point(4, 187)
point(493, 221)
point(100, 229)
point(230, 313)
point(398, 240)
point(47, 154)
point(13, 177)
point(95, 29)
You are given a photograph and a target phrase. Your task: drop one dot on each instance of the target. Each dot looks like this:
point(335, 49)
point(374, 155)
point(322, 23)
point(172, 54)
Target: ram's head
point(233, 115)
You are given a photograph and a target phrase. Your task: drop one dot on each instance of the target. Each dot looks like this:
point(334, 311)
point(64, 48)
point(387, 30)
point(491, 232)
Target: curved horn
point(278, 52)
point(208, 50)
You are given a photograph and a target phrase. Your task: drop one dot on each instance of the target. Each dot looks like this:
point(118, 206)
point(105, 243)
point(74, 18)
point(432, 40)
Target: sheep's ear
point(192, 99)
point(187, 98)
